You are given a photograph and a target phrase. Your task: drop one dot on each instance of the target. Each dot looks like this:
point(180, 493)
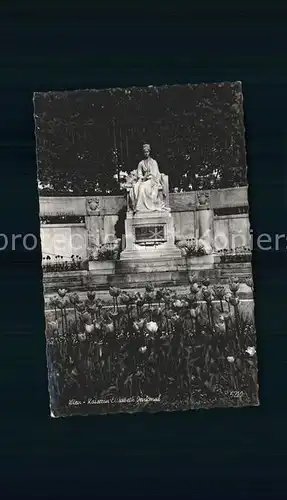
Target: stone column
point(94, 223)
point(205, 232)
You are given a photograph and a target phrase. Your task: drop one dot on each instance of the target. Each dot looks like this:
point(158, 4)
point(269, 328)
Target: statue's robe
point(145, 194)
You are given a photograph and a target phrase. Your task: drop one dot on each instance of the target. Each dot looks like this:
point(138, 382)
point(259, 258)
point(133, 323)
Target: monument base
point(149, 235)
point(202, 262)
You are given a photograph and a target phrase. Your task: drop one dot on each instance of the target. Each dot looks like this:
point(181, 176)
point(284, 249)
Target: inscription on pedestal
point(149, 234)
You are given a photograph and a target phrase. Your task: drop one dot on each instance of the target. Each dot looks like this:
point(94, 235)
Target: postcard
point(146, 249)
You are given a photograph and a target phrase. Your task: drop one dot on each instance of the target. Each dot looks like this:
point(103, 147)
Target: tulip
point(91, 295)
point(219, 292)
point(249, 282)
point(80, 307)
point(143, 349)
point(139, 297)
point(208, 294)
point(206, 282)
point(74, 298)
point(82, 337)
point(91, 307)
point(234, 301)
point(152, 327)
point(234, 286)
point(149, 287)
point(114, 292)
point(220, 326)
point(227, 296)
point(138, 325)
point(53, 302)
point(194, 312)
point(97, 326)
point(159, 294)
point(113, 314)
point(146, 308)
point(89, 328)
point(166, 293)
point(226, 316)
point(86, 317)
point(109, 327)
point(194, 288)
point(100, 349)
point(52, 326)
point(126, 298)
point(62, 303)
point(178, 304)
point(251, 351)
point(66, 302)
point(62, 292)
point(230, 359)
point(149, 296)
point(175, 318)
point(132, 297)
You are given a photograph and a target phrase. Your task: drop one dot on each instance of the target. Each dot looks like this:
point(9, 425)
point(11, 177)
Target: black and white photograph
point(146, 249)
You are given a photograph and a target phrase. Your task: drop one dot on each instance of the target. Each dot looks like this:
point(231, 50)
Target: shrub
point(192, 247)
point(107, 251)
point(238, 254)
point(58, 263)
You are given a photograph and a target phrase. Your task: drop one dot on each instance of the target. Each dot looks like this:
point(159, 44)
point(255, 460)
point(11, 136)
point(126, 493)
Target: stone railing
point(223, 212)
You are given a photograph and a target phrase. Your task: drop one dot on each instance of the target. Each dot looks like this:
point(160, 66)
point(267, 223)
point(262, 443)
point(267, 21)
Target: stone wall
point(104, 219)
point(64, 239)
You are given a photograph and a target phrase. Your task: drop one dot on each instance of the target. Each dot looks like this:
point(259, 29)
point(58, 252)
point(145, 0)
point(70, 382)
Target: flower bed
point(59, 264)
point(190, 350)
point(240, 254)
point(193, 248)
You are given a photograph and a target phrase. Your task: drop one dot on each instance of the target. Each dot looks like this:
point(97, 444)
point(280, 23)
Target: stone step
point(139, 266)
point(229, 265)
point(244, 293)
point(239, 269)
point(161, 276)
point(173, 277)
point(71, 280)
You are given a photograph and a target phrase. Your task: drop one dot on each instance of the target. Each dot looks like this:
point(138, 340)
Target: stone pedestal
point(201, 262)
point(149, 235)
point(102, 267)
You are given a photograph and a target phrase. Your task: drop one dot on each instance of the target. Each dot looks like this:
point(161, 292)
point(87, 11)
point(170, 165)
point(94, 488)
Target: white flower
point(143, 349)
point(81, 337)
point(123, 174)
point(152, 326)
point(97, 326)
point(89, 328)
point(251, 351)
point(178, 304)
point(230, 359)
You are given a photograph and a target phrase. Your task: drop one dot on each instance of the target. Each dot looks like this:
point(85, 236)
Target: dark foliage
point(85, 138)
point(58, 264)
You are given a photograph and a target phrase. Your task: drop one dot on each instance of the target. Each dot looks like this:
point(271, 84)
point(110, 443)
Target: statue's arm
point(139, 171)
point(156, 167)
point(157, 172)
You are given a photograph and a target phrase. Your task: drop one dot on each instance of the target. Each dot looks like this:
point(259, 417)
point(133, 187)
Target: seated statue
point(147, 187)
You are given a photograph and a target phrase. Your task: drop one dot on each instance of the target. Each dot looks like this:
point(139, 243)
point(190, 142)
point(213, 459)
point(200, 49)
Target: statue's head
point(146, 150)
